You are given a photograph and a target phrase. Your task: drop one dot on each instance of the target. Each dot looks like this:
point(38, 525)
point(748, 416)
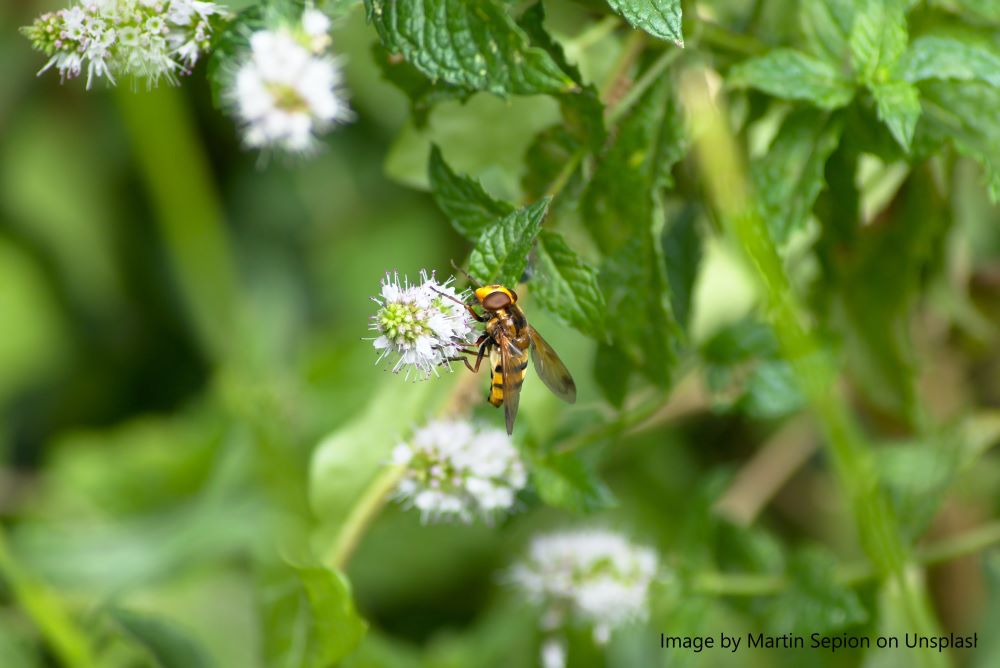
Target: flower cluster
point(287, 88)
point(422, 325)
point(596, 577)
point(151, 39)
point(459, 470)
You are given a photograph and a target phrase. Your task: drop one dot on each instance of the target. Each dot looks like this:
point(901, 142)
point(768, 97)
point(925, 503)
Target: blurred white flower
point(288, 89)
point(554, 653)
point(119, 38)
point(595, 577)
point(459, 470)
point(418, 326)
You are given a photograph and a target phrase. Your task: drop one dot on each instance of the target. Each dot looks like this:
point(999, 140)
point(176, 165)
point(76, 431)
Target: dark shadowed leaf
point(421, 91)
point(681, 242)
point(639, 317)
point(566, 481)
point(612, 370)
point(566, 286)
point(168, 643)
point(789, 176)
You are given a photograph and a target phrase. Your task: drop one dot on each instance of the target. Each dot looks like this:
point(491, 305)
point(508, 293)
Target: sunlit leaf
point(793, 75)
point(660, 18)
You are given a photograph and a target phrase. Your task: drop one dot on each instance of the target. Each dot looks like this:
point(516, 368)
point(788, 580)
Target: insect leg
point(483, 342)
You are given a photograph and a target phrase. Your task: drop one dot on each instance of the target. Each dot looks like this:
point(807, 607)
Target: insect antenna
point(447, 296)
point(472, 279)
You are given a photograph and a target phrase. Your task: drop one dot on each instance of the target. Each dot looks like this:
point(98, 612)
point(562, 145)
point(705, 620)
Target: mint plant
point(772, 220)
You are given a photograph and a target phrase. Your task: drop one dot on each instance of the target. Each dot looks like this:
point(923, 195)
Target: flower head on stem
point(595, 577)
point(287, 88)
point(149, 39)
point(420, 326)
point(456, 469)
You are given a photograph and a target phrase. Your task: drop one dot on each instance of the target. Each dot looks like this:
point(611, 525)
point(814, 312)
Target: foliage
point(729, 219)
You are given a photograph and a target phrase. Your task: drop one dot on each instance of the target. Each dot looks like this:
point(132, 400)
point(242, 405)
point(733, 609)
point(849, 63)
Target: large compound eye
point(496, 300)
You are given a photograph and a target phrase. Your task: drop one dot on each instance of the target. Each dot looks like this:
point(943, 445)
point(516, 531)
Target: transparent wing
point(511, 378)
point(550, 368)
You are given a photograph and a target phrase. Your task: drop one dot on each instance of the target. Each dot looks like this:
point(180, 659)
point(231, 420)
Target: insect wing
point(511, 378)
point(550, 368)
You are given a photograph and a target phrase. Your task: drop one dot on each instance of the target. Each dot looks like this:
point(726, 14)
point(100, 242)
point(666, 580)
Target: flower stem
point(722, 168)
point(68, 642)
point(748, 584)
point(190, 216)
point(363, 514)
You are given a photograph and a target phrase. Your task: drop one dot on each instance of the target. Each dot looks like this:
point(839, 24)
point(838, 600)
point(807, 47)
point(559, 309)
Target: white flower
point(459, 470)
point(316, 26)
point(152, 39)
point(288, 90)
point(554, 654)
point(596, 577)
point(420, 326)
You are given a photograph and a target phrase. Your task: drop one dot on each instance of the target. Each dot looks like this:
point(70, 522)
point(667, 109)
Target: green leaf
point(475, 45)
point(170, 645)
point(789, 177)
point(814, 602)
point(681, 242)
point(793, 75)
point(898, 104)
point(501, 253)
point(639, 317)
point(878, 38)
point(826, 26)
point(421, 91)
point(746, 373)
point(916, 477)
point(566, 286)
point(547, 156)
point(879, 287)
point(624, 191)
point(964, 114)
point(612, 370)
point(308, 616)
point(948, 58)
point(349, 459)
point(583, 112)
point(565, 481)
point(659, 18)
point(468, 207)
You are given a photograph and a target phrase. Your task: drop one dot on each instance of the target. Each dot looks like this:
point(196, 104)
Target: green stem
point(722, 168)
point(631, 51)
point(68, 642)
point(748, 584)
point(647, 79)
point(724, 39)
point(363, 514)
point(190, 216)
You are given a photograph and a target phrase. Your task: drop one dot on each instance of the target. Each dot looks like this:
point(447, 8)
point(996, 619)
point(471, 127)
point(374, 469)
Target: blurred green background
point(182, 322)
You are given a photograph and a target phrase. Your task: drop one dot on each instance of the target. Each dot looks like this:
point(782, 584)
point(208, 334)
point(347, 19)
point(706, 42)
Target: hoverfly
point(507, 338)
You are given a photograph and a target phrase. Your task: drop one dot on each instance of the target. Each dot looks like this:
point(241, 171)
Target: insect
point(507, 340)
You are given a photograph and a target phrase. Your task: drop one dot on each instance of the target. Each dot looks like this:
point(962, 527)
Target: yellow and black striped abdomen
point(520, 365)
